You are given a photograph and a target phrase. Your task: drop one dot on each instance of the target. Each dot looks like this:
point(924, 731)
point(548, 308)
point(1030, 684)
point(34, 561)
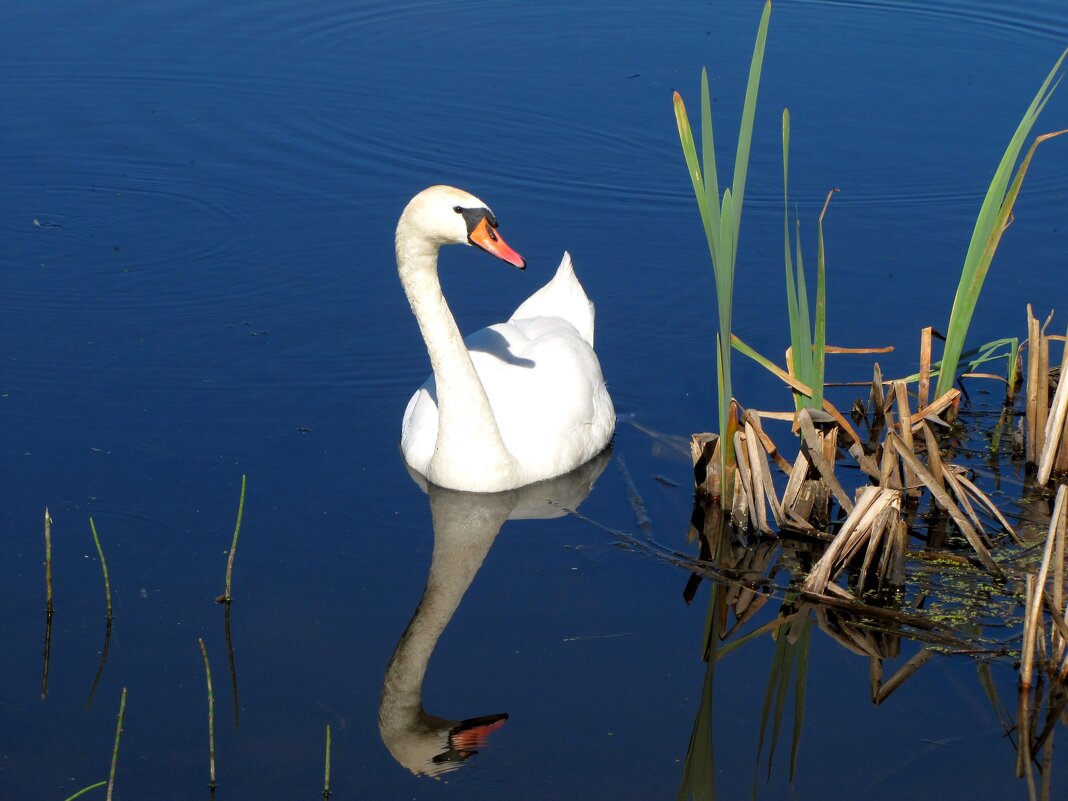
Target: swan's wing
point(545, 385)
point(562, 297)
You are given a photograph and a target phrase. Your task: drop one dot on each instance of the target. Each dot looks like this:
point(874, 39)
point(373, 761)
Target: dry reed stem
point(867, 465)
point(923, 391)
point(754, 510)
point(889, 465)
point(815, 455)
point(1056, 431)
point(963, 502)
point(945, 502)
point(1032, 445)
point(753, 417)
point(758, 463)
point(855, 531)
point(905, 414)
point(878, 400)
point(933, 409)
point(1043, 390)
point(934, 453)
point(839, 349)
point(984, 499)
point(798, 473)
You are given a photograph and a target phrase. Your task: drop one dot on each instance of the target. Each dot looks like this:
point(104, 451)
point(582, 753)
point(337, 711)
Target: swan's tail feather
point(562, 297)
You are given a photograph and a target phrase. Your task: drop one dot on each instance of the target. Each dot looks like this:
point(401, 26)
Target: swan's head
point(445, 215)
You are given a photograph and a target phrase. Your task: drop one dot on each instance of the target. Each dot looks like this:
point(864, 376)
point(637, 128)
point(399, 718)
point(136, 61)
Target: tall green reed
point(808, 342)
point(722, 218)
point(994, 218)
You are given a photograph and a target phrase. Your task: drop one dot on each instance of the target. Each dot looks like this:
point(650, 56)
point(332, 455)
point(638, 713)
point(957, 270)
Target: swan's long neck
point(467, 428)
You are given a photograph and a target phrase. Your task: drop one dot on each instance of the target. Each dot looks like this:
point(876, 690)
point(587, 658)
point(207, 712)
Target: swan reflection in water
point(465, 526)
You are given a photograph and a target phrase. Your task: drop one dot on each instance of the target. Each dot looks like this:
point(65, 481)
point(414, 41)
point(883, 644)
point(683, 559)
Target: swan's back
point(562, 297)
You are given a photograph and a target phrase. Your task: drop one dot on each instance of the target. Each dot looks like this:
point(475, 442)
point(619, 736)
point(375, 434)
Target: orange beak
point(490, 241)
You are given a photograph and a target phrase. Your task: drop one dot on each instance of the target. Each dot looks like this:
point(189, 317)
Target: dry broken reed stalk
point(1045, 419)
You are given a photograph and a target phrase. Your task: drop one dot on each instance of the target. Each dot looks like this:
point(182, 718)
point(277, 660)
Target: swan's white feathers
point(520, 401)
point(562, 297)
point(543, 380)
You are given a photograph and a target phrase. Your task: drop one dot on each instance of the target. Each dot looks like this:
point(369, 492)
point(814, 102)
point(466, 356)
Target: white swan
point(517, 402)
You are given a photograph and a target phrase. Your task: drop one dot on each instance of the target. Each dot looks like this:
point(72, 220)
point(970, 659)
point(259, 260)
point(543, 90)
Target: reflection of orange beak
point(468, 737)
point(490, 241)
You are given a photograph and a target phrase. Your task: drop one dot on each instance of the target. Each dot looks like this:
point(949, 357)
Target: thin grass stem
point(227, 597)
point(326, 777)
point(103, 566)
point(85, 790)
point(211, 715)
point(48, 559)
point(115, 750)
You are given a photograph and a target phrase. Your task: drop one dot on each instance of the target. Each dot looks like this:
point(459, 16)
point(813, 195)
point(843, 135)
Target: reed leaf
point(808, 343)
point(722, 218)
point(989, 226)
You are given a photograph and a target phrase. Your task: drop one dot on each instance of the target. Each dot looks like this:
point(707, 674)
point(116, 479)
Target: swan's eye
point(458, 210)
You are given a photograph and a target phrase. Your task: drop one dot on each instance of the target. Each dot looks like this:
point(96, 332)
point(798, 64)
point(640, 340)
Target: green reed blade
point(745, 130)
point(693, 167)
point(802, 360)
point(989, 226)
point(708, 156)
point(722, 218)
point(791, 280)
point(819, 345)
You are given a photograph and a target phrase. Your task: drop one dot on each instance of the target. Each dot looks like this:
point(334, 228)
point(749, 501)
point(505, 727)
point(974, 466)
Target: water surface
point(197, 282)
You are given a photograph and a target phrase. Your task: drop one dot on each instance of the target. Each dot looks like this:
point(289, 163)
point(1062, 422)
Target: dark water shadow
point(465, 527)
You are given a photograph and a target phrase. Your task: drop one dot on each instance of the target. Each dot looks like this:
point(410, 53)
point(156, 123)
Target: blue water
point(197, 282)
